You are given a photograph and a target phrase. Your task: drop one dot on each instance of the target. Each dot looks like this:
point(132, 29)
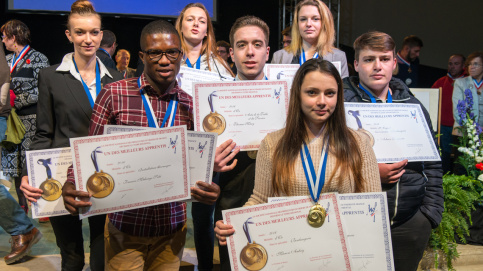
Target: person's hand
point(31, 193)
point(223, 231)
point(205, 193)
point(390, 173)
point(224, 154)
point(69, 194)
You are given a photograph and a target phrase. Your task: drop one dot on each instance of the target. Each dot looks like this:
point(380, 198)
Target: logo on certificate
point(372, 211)
point(201, 148)
point(99, 184)
point(52, 189)
point(277, 94)
point(173, 143)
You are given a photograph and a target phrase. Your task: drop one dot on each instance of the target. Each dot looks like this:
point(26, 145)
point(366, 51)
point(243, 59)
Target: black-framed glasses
point(156, 55)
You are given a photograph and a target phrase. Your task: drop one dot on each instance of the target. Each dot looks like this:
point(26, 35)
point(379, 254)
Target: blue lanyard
point(86, 88)
point(373, 100)
point(302, 57)
point(152, 121)
point(315, 182)
point(198, 63)
point(105, 51)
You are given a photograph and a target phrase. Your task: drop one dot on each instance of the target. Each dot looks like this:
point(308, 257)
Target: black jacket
point(421, 186)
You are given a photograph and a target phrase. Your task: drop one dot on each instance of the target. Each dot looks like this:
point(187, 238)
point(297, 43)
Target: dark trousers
point(409, 241)
point(203, 234)
point(68, 234)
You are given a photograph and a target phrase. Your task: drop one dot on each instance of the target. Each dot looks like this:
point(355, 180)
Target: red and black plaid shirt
point(120, 103)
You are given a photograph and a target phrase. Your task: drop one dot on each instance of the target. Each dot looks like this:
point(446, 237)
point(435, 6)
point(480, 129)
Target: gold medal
point(52, 189)
point(214, 122)
point(316, 216)
point(253, 256)
point(252, 154)
point(100, 184)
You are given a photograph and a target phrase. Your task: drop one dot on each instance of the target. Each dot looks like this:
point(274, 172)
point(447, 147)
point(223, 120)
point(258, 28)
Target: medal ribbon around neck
point(402, 60)
point(170, 115)
point(16, 60)
point(46, 163)
point(315, 182)
point(373, 100)
point(198, 63)
point(478, 84)
point(302, 57)
point(86, 88)
point(454, 78)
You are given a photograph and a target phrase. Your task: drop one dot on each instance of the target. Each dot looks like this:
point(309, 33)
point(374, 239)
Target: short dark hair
point(287, 31)
point(159, 26)
point(463, 58)
point(374, 40)
point(249, 21)
point(412, 41)
point(224, 44)
point(108, 38)
point(18, 29)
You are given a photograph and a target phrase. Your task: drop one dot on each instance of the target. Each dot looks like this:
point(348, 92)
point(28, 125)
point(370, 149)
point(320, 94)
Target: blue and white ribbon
point(315, 182)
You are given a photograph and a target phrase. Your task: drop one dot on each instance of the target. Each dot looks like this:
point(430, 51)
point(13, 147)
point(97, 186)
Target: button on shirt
point(120, 103)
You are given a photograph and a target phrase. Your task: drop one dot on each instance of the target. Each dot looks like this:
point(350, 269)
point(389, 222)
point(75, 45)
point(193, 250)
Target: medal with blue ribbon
point(302, 57)
point(86, 88)
point(198, 63)
point(168, 120)
point(253, 256)
point(315, 182)
point(214, 122)
point(52, 189)
point(16, 60)
point(373, 99)
point(99, 184)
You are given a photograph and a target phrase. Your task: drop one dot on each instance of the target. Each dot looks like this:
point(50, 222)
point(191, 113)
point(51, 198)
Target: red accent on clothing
point(12, 98)
point(446, 83)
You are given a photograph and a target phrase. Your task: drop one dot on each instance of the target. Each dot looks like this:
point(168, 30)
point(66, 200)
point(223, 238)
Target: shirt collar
point(150, 90)
point(67, 65)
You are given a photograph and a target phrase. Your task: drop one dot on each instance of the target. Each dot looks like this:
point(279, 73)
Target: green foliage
point(460, 195)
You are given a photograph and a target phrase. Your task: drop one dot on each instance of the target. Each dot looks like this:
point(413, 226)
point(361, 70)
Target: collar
point(400, 91)
point(454, 78)
point(150, 90)
point(105, 51)
point(67, 65)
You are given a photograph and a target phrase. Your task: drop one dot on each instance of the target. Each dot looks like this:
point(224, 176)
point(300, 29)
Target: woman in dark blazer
point(66, 95)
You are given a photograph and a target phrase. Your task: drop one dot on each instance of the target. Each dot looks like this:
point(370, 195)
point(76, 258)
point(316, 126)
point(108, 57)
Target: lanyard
point(86, 88)
point(198, 63)
point(315, 182)
point(373, 100)
point(16, 60)
point(302, 57)
point(152, 121)
point(104, 50)
point(478, 84)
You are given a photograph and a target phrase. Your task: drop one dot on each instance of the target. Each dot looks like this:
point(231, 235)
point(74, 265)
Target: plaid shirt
point(120, 103)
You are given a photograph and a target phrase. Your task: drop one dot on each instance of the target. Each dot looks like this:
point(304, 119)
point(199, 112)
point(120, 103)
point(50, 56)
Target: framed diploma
point(132, 170)
point(431, 100)
point(245, 111)
point(277, 236)
point(397, 131)
point(47, 170)
point(187, 76)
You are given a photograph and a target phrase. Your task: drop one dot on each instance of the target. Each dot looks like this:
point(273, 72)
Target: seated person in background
point(122, 58)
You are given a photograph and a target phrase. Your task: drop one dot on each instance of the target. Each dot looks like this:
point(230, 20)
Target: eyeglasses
point(476, 65)
point(221, 52)
point(156, 55)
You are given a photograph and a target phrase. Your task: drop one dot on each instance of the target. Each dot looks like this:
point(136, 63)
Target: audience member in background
point(408, 61)
point(287, 36)
point(313, 36)
point(25, 64)
point(122, 58)
point(107, 49)
point(456, 69)
point(67, 94)
point(223, 49)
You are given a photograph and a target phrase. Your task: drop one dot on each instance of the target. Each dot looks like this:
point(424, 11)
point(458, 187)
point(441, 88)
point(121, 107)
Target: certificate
point(132, 170)
point(47, 170)
point(282, 72)
point(245, 111)
point(397, 131)
point(277, 236)
point(187, 76)
point(366, 220)
point(201, 149)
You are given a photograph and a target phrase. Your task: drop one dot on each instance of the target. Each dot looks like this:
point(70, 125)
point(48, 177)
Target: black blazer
point(63, 108)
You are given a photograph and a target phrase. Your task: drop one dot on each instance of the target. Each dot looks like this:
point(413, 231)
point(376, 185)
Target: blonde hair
point(209, 42)
point(83, 8)
point(325, 42)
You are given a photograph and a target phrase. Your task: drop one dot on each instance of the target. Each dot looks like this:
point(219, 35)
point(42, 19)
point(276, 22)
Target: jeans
point(13, 218)
point(3, 127)
point(68, 234)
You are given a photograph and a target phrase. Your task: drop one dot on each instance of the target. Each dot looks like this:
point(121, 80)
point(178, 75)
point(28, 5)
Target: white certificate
point(245, 111)
point(201, 149)
point(132, 170)
point(47, 170)
point(366, 221)
point(282, 72)
point(398, 131)
point(286, 239)
point(187, 76)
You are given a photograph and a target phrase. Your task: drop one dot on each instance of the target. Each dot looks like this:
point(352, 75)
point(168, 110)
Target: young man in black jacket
point(414, 190)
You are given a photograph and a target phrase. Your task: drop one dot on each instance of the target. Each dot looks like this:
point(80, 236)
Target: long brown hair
point(342, 142)
point(209, 42)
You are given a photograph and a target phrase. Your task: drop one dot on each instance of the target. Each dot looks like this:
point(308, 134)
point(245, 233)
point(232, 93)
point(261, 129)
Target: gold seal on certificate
point(215, 123)
point(100, 184)
point(52, 189)
point(316, 216)
point(253, 256)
